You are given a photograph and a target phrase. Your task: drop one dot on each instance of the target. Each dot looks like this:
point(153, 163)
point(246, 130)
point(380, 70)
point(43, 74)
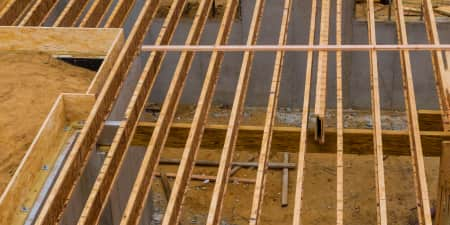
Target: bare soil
point(29, 85)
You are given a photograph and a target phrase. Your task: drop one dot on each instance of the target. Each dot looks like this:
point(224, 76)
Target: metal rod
point(269, 48)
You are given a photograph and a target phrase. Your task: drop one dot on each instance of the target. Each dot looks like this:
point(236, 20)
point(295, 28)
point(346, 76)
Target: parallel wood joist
point(13, 10)
point(76, 161)
point(339, 122)
point(184, 174)
point(111, 166)
point(415, 142)
point(258, 193)
point(142, 184)
point(376, 118)
point(96, 13)
point(223, 173)
point(297, 219)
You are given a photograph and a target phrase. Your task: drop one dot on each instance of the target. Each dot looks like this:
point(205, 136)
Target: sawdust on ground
point(30, 83)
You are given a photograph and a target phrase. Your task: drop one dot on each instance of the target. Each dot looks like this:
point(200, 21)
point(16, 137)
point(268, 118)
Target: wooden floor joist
point(297, 219)
point(186, 167)
point(12, 11)
point(38, 13)
point(339, 122)
point(223, 173)
point(111, 166)
point(376, 118)
point(415, 142)
point(322, 71)
point(141, 186)
point(258, 193)
point(120, 13)
point(71, 13)
point(77, 159)
point(96, 13)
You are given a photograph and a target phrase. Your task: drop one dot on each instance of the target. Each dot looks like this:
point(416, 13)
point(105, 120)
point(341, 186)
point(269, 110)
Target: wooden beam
point(144, 179)
point(443, 195)
point(71, 13)
point(322, 72)
point(423, 204)
point(339, 122)
point(173, 210)
point(376, 118)
point(110, 169)
point(272, 105)
point(120, 13)
point(12, 11)
point(77, 159)
point(297, 220)
point(223, 173)
point(96, 13)
point(38, 13)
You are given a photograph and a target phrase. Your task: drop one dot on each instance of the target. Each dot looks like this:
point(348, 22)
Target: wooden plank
point(12, 11)
point(109, 171)
point(339, 122)
point(120, 13)
point(71, 13)
point(258, 193)
point(186, 167)
point(297, 220)
point(322, 72)
point(30, 176)
point(443, 196)
point(38, 13)
point(423, 204)
point(141, 187)
point(442, 80)
point(356, 141)
point(77, 159)
point(96, 13)
point(376, 118)
point(223, 173)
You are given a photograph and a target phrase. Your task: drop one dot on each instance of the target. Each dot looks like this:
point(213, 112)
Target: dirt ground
point(319, 204)
point(30, 84)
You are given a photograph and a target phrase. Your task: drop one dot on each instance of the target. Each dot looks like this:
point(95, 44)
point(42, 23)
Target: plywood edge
point(35, 166)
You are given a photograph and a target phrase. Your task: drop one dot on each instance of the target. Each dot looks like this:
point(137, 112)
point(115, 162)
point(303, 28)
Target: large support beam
point(297, 220)
point(258, 194)
point(144, 179)
point(173, 210)
point(76, 161)
point(223, 173)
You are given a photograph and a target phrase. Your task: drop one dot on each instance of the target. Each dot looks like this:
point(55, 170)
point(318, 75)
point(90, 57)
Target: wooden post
point(443, 204)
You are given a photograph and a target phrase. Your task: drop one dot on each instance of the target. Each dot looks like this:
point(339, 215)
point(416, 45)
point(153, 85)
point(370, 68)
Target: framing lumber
point(76, 161)
point(339, 122)
point(376, 118)
point(223, 173)
point(71, 13)
point(442, 81)
point(258, 193)
point(109, 171)
point(38, 13)
point(297, 220)
point(443, 195)
point(322, 72)
point(141, 187)
point(415, 142)
point(186, 167)
point(12, 11)
point(96, 13)
point(120, 13)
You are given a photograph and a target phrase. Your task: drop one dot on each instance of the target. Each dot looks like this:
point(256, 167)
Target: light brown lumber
point(297, 220)
point(258, 193)
point(12, 11)
point(38, 13)
point(186, 167)
point(285, 182)
point(211, 178)
point(120, 13)
point(71, 13)
point(77, 159)
point(141, 187)
point(339, 122)
point(110, 169)
point(415, 142)
point(223, 173)
point(96, 13)
point(376, 118)
point(441, 79)
point(443, 194)
point(322, 71)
